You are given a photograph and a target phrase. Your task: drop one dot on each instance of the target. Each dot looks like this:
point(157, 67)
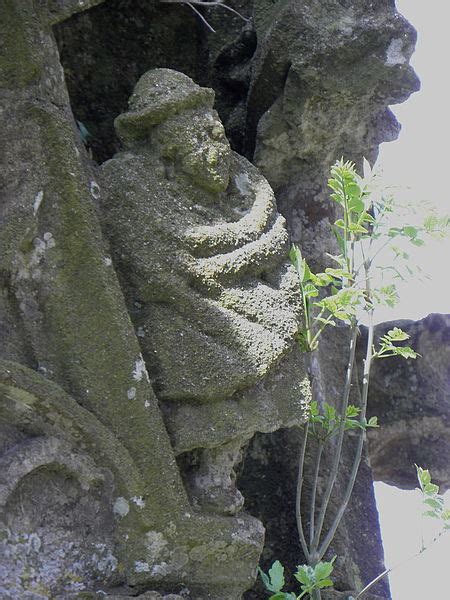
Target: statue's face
point(197, 143)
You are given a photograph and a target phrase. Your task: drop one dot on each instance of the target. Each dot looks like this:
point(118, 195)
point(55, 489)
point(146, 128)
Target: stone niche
point(148, 316)
point(148, 313)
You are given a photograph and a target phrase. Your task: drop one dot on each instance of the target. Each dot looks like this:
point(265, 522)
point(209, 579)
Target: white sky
point(419, 160)
point(423, 577)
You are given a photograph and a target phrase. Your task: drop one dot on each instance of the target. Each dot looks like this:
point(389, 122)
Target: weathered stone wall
point(412, 402)
point(147, 311)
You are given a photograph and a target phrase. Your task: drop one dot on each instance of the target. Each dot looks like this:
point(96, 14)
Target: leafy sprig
point(328, 420)
point(310, 578)
point(433, 502)
point(389, 348)
point(343, 292)
point(434, 508)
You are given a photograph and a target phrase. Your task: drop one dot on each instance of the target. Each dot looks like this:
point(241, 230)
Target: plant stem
point(319, 332)
point(298, 515)
point(307, 317)
point(373, 582)
point(338, 451)
point(205, 3)
point(346, 223)
point(396, 566)
point(357, 460)
point(312, 510)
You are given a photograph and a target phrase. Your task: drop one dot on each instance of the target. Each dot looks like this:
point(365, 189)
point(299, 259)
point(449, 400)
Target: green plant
point(346, 293)
point(309, 578)
point(433, 504)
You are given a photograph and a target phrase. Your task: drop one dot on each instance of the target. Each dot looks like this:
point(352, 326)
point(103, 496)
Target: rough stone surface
point(323, 75)
point(268, 482)
point(120, 438)
point(105, 50)
point(412, 402)
point(65, 320)
point(201, 255)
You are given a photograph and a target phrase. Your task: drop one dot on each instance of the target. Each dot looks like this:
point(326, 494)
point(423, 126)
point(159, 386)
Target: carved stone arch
point(56, 499)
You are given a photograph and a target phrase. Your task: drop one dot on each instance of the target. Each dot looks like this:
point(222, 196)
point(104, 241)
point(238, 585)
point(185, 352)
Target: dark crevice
point(106, 49)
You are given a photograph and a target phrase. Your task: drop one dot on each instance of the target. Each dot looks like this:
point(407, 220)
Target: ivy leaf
point(353, 411)
point(275, 580)
point(265, 579)
point(314, 408)
point(397, 335)
point(324, 583)
point(355, 228)
point(410, 231)
point(355, 203)
point(323, 569)
point(429, 513)
point(305, 575)
point(321, 279)
point(394, 231)
point(367, 218)
point(406, 352)
point(326, 321)
point(352, 424)
point(297, 261)
point(310, 290)
point(387, 295)
point(339, 273)
point(337, 258)
point(276, 574)
point(330, 412)
point(423, 476)
point(431, 488)
point(434, 503)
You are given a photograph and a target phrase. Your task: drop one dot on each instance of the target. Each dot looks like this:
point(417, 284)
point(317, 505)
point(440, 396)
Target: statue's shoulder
point(127, 169)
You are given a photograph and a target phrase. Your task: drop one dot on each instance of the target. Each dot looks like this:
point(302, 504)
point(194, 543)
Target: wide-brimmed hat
point(158, 95)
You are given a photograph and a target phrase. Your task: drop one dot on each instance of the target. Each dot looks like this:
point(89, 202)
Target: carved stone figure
point(106, 488)
point(201, 254)
point(91, 497)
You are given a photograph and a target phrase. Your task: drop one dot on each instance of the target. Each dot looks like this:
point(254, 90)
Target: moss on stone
point(19, 64)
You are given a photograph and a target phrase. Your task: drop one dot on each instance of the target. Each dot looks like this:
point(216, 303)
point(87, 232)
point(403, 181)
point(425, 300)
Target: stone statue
point(91, 489)
point(201, 254)
point(164, 271)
